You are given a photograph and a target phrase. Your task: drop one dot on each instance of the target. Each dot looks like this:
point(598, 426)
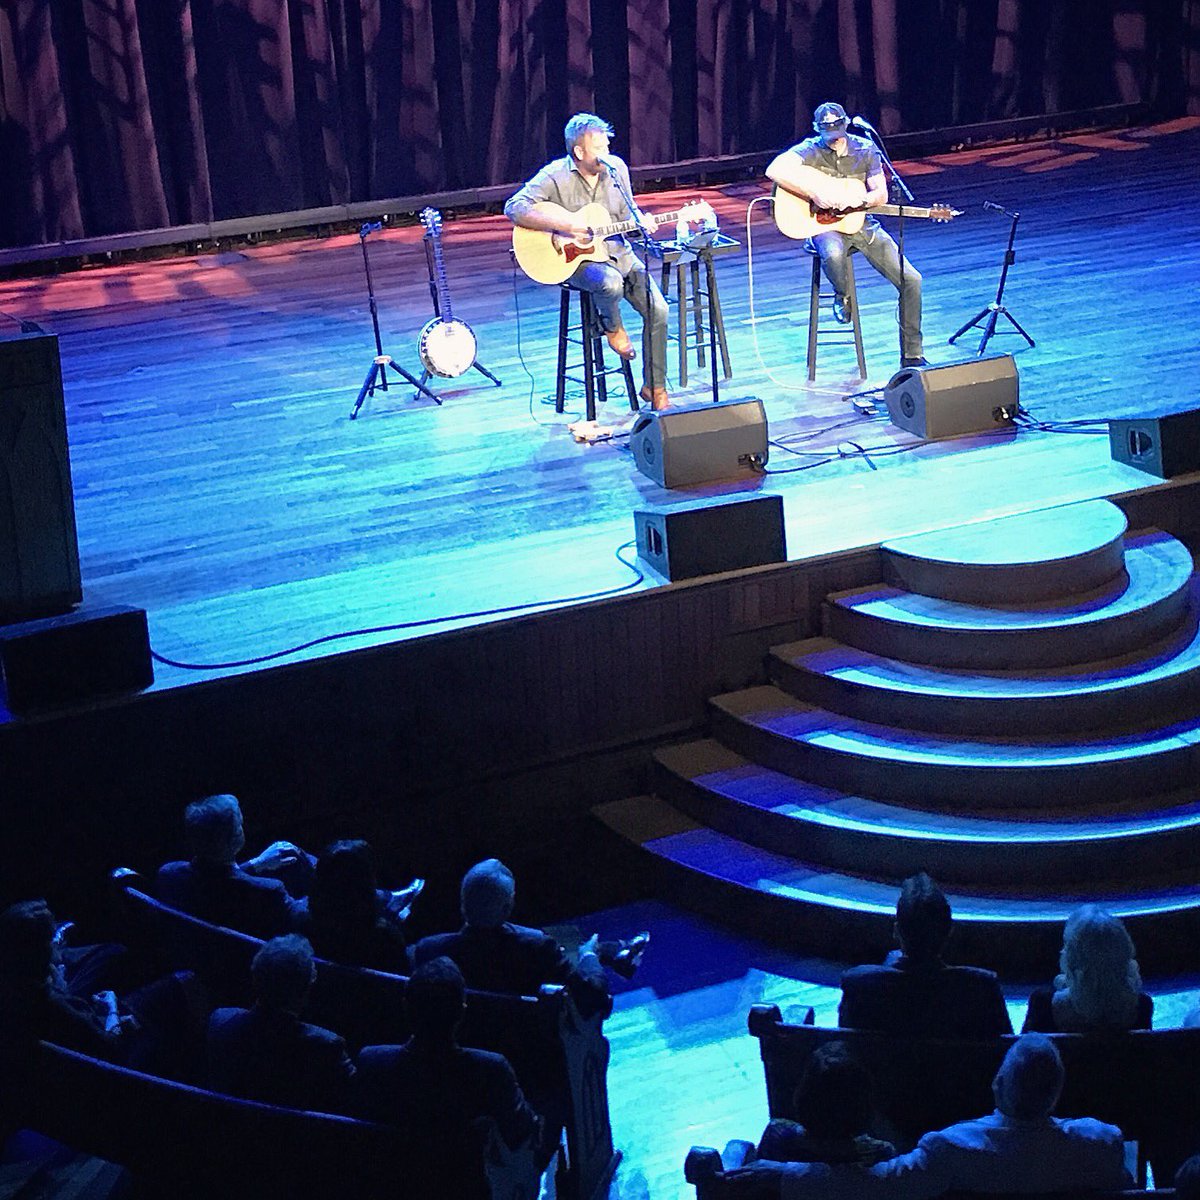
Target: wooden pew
point(1147, 1082)
point(560, 1057)
point(188, 1141)
point(705, 1169)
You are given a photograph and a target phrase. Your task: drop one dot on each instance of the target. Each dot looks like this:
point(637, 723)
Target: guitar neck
point(900, 210)
point(607, 231)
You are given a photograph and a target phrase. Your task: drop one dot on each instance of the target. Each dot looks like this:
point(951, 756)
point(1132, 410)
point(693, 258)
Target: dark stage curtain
point(120, 115)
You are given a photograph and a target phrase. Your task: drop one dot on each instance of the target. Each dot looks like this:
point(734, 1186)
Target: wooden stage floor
point(220, 485)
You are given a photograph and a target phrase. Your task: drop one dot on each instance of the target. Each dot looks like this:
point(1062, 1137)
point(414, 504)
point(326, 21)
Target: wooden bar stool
point(837, 333)
point(589, 336)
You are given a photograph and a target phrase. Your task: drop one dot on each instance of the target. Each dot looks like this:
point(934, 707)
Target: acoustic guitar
point(447, 347)
point(797, 217)
point(554, 257)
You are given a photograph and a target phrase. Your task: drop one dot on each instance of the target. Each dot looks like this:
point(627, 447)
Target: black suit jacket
point(924, 1001)
point(516, 958)
point(276, 1058)
point(226, 896)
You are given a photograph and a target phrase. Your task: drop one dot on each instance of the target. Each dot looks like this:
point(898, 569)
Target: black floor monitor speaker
point(63, 660)
point(39, 550)
point(1166, 445)
point(965, 397)
point(711, 536)
point(695, 443)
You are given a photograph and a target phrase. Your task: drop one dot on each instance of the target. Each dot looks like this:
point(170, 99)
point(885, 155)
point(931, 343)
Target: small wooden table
point(691, 294)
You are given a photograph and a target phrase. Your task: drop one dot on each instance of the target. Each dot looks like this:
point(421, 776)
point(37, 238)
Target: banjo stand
point(377, 375)
point(431, 266)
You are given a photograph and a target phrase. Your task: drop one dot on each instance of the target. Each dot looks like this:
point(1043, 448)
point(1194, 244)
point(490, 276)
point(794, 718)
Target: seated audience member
point(915, 992)
point(1099, 987)
point(41, 999)
point(496, 955)
point(433, 1087)
point(268, 1053)
point(1187, 1179)
point(833, 1107)
point(344, 916)
point(1019, 1148)
point(212, 885)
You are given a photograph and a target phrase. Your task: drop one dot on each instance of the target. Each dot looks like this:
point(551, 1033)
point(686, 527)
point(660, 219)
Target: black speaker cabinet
point(966, 397)
point(63, 660)
point(39, 551)
point(711, 536)
point(689, 444)
point(1165, 446)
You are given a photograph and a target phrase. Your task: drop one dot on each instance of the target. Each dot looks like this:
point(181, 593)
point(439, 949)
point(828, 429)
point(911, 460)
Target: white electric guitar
point(553, 257)
point(447, 347)
point(798, 218)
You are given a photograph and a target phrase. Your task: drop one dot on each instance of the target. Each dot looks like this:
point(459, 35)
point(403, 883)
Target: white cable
point(787, 387)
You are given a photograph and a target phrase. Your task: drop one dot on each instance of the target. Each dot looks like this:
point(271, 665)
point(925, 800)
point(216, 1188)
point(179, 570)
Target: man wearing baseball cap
point(834, 169)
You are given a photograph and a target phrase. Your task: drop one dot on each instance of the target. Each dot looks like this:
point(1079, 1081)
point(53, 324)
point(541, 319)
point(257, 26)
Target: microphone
point(990, 207)
point(862, 123)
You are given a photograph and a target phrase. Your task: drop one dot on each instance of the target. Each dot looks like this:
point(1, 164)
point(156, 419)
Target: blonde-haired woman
point(1099, 987)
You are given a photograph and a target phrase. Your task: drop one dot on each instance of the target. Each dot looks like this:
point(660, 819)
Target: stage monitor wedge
point(1166, 445)
point(711, 536)
point(959, 398)
point(697, 443)
point(39, 548)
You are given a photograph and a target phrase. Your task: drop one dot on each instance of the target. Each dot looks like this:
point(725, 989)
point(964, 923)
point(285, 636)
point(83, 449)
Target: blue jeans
point(608, 287)
point(878, 247)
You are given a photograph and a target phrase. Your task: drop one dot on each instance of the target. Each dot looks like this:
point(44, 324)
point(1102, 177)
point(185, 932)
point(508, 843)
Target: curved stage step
point(1158, 683)
point(929, 769)
point(1142, 606)
point(742, 799)
point(845, 916)
point(1031, 556)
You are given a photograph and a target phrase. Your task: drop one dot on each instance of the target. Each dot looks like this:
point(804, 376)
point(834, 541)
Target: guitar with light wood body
point(797, 217)
point(554, 257)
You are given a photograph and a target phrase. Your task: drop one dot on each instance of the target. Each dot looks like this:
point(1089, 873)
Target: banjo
point(447, 347)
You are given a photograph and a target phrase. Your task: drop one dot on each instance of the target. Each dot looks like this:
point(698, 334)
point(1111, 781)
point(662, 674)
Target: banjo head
point(447, 348)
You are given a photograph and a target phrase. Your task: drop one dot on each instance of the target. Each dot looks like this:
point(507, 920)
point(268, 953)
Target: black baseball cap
point(830, 116)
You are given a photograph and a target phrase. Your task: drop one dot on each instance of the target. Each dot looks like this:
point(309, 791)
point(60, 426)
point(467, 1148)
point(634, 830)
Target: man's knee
point(611, 288)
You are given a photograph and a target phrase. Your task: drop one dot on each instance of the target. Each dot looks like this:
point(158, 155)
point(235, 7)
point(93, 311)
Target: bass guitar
point(447, 347)
point(553, 257)
point(797, 217)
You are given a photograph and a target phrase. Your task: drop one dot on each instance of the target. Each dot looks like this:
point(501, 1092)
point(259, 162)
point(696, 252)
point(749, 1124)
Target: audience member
point(1187, 1179)
point(344, 915)
point(915, 992)
point(1099, 987)
point(268, 1053)
point(212, 885)
point(833, 1108)
point(41, 999)
point(1019, 1148)
point(498, 956)
point(436, 1089)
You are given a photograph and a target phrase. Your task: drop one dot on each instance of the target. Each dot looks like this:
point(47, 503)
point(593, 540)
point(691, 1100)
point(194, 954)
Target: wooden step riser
point(1017, 950)
point(1002, 649)
point(1141, 705)
point(1017, 583)
point(893, 854)
point(961, 787)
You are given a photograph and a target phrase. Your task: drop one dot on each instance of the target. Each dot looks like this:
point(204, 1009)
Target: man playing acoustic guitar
point(837, 171)
point(550, 203)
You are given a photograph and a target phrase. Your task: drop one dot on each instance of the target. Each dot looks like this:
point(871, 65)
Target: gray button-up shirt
point(861, 161)
point(561, 182)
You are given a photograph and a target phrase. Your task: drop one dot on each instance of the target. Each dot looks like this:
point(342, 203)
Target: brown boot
point(618, 339)
point(657, 397)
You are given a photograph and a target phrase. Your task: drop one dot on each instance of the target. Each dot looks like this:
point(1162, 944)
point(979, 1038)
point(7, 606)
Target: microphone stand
point(988, 315)
point(650, 250)
point(900, 189)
